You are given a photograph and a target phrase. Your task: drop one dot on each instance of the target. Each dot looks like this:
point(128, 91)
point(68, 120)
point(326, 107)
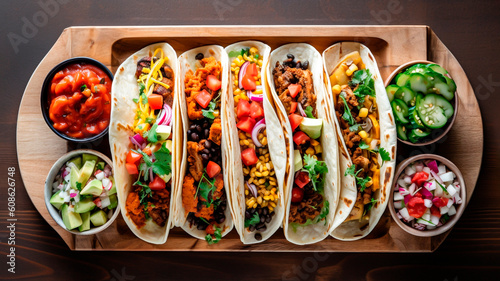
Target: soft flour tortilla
point(324, 107)
point(187, 61)
point(354, 230)
point(276, 146)
point(123, 111)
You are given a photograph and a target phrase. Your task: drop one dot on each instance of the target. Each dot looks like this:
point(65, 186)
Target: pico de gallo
point(79, 99)
point(149, 160)
point(426, 195)
point(294, 85)
point(203, 195)
point(261, 188)
point(357, 113)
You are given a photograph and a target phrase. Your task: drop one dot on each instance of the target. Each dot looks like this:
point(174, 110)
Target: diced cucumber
point(391, 90)
point(401, 129)
point(417, 134)
point(400, 111)
point(407, 95)
point(419, 83)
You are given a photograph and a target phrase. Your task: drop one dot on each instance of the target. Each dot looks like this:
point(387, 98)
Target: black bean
point(207, 133)
point(265, 211)
point(221, 220)
point(194, 137)
point(205, 151)
point(223, 207)
point(262, 219)
point(259, 210)
point(251, 228)
point(208, 144)
point(198, 128)
point(247, 214)
point(298, 65)
point(192, 127)
point(268, 219)
point(190, 219)
point(305, 65)
point(204, 157)
point(206, 125)
point(290, 56)
point(261, 227)
point(201, 227)
point(258, 236)
point(199, 56)
point(252, 211)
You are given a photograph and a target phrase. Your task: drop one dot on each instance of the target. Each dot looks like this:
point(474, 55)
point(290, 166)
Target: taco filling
point(294, 86)
point(261, 188)
point(203, 194)
point(357, 112)
point(149, 161)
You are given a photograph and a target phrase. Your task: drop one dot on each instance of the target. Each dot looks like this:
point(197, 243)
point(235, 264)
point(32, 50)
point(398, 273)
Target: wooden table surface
point(468, 29)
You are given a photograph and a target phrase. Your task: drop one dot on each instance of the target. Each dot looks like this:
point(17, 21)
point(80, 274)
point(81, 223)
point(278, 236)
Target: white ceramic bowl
point(56, 215)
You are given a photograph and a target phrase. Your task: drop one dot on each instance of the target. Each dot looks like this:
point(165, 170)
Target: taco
point(367, 128)
point(141, 136)
point(295, 75)
point(257, 144)
point(203, 198)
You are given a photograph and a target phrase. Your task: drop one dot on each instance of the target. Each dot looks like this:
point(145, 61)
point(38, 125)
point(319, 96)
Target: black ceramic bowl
point(45, 104)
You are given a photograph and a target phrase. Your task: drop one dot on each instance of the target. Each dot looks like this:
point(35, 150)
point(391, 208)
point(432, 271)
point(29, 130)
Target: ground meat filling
point(203, 145)
point(309, 208)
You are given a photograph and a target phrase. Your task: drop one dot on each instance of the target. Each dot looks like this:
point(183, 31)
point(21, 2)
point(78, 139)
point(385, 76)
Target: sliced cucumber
point(415, 119)
point(401, 129)
point(437, 68)
point(400, 111)
point(401, 79)
point(451, 84)
point(434, 111)
point(391, 90)
point(434, 77)
point(417, 68)
point(444, 90)
point(419, 83)
point(407, 95)
point(417, 134)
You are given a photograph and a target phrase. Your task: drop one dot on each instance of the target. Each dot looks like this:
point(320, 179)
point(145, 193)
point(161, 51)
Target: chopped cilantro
point(384, 155)
point(354, 128)
point(347, 116)
point(144, 98)
point(135, 100)
point(324, 211)
point(365, 84)
point(317, 170)
point(309, 111)
point(206, 189)
point(209, 113)
point(163, 160)
point(149, 120)
point(363, 145)
point(83, 87)
point(79, 186)
point(351, 170)
point(217, 236)
point(204, 220)
point(369, 206)
point(233, 54)
point(152, 136)
point(255, 219)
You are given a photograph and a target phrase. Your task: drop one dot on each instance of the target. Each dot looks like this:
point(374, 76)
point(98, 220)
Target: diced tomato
point(293, 108)
point(243, 109)
point(297, 194)
point(210, 229)
point(132, 169)
point(248, 83)
point(213, 169)
point(300, 138)
point(248, 157)
point(295, 120)
point(256, 111)
point(203, 98)
point(435, 211)
point(294, 89)
point(252, 70)
point(155, 101)
point(98, 202)
point(302, 179)
point(92, 128)
point(419, 178)
point(246, 124)
point(440, 201)
point(416, 207)
point(133, 157)
point(213, 83)
point(418, 194)
point(157, 184)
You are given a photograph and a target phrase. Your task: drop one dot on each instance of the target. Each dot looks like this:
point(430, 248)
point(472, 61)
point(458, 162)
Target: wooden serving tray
point(38, 147)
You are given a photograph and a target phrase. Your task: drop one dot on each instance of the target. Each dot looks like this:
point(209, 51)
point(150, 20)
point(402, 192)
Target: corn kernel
point(310, 151)
point(270, 208)
point(254, 205)
point(258, 174)
point(253, 50)
point(336, 89)
point(363, 134)
point(246, 191)
point(273, 204)
point(363, 112)
point(259, 199)
point(318, 149)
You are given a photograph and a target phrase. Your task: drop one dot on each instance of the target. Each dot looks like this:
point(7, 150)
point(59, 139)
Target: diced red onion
point(151, 175)
point(419, 166)
point(105, 202)
point(428, 203)
point(105, 183)
point(255, 131)
point(408, 179)
point(433, 166)
point(137, 140)
point(408, 198)
point(419, 226)
point(107, 170)
point(65, 173)
point(97, 202)
point(403, 191)
point(301, 110)
point(253, 189)
point(168, 115)
point(99, 175)
point(436, 177)
point(73, 194)
point(412, 188)
point(426, 193)
point(410, 170)
point(243, 70)
point(255, 97)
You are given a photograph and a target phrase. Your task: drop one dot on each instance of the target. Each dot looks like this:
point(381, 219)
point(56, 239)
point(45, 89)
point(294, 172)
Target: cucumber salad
point(426, 195)
point(421, 98)
point(84, 192)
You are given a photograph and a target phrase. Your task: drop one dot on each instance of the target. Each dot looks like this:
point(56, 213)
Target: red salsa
point(80, 100)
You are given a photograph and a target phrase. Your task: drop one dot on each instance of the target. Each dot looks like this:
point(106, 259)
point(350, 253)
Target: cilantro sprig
point(369, 206)
point(255, 219)
point(206, 189)
point(347, 116)
point(365, 84)
point(216, 237)
point(325, 211)
point(383, 153)
point(309, 111)
point(317, 170)
point(162, 165)
point(351, 171)
point(209, 113)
